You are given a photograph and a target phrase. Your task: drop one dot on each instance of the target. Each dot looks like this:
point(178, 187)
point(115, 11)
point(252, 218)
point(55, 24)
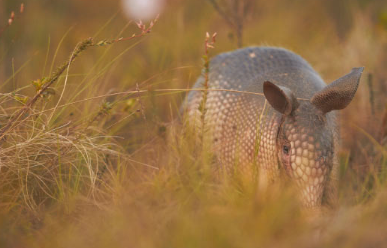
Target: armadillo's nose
point(312, 189)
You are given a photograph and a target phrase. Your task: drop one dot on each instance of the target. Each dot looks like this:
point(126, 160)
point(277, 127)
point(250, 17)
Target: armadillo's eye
point(286, 149)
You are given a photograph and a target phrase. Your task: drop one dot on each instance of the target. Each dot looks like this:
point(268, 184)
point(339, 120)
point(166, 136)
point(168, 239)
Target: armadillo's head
point(305, 139)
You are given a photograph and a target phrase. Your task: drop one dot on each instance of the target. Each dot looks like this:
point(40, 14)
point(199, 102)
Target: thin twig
point(235, 19)
point(144, 31)
point(208, 43)
point(222, 13)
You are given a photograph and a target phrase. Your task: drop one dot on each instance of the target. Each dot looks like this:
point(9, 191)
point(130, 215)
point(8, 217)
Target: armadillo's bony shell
point(251, 134)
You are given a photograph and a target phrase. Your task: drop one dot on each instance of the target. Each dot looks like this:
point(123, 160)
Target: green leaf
point(21, 99)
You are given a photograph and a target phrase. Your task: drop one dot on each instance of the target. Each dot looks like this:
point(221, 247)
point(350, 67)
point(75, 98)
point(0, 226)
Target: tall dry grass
point(96, 161)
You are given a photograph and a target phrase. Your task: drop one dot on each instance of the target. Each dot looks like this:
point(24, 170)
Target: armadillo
point(269, 113)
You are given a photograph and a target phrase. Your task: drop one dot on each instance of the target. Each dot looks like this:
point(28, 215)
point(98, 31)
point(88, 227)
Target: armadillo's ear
point(280, 98)
point(338, 94)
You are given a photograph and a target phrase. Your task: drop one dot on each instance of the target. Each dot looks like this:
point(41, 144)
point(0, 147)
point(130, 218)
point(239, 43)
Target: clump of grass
point(45, 161)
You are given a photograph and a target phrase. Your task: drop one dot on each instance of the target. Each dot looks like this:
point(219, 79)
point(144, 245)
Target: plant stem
point(14, 120)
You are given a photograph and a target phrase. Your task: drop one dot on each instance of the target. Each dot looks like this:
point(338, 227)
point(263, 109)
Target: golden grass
point(100, 160)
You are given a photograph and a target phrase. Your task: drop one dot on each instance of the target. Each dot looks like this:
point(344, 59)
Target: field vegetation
point(93, 152)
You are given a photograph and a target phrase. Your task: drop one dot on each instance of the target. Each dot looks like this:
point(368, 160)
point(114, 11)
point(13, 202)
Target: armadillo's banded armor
point(244, 129)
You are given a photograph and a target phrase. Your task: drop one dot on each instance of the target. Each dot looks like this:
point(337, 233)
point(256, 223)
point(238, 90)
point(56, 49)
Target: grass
point(99, 160)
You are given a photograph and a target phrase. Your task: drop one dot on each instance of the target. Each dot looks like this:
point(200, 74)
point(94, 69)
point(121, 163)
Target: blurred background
point(333, 36)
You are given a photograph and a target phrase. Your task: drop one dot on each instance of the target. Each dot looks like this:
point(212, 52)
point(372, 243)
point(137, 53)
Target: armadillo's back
point(233, 116)
point(239, 69)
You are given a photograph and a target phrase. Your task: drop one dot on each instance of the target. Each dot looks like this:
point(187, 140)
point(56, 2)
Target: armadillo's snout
point(312, 186)
point(308, 161)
